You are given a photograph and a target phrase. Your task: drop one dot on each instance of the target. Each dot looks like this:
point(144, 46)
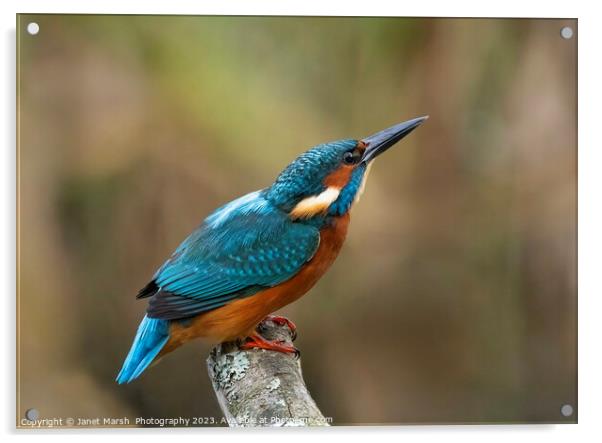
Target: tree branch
point(262, 388)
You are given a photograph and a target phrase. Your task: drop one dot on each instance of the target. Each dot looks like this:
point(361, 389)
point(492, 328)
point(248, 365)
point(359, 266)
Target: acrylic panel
point(453, 297)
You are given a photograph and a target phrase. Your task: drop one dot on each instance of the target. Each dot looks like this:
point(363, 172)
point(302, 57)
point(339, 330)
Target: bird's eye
point(352, 157)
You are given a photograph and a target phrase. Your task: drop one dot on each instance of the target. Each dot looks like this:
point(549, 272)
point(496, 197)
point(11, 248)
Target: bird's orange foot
point(257, 341)
point(281, 321)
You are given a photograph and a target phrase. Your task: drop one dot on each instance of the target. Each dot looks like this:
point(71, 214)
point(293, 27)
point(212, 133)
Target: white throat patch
point(316, 204)
point(362, 188)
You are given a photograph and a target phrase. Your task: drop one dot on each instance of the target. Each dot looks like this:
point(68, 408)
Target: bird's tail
point(152, 335)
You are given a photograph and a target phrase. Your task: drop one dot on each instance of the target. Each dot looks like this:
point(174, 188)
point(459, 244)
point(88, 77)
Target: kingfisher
point(257, 254)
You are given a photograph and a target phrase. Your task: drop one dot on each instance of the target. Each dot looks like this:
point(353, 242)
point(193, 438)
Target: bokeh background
point(454, 298)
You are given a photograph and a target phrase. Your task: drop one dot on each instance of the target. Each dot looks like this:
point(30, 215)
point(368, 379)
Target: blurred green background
point(454, 298)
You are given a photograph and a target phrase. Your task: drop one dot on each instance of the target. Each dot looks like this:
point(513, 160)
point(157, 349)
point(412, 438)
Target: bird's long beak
point(383, 140)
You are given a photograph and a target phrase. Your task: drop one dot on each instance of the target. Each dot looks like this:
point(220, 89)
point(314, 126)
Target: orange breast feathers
point(239, 318)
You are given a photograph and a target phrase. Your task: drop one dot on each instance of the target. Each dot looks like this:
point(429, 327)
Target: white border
point(590, 214)
point(552, 8)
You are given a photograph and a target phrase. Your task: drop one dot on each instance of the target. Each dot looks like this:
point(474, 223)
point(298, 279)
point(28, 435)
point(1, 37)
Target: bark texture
point(262, 388)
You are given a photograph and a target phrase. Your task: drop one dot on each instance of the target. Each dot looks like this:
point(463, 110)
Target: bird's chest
point(332, 238)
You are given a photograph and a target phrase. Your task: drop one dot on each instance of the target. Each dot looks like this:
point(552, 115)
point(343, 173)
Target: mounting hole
point(32, 414)
point(33, 28)
point(566, 32)
point(566, 410)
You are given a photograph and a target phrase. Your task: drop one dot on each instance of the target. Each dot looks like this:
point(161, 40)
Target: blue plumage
point(152, 335)
point(228, 257)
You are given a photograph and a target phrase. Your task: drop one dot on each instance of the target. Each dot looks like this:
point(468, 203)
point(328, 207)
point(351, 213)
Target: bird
point(257, 254)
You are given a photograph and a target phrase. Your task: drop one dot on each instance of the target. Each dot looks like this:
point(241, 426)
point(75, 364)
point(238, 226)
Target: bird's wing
point(240, 249)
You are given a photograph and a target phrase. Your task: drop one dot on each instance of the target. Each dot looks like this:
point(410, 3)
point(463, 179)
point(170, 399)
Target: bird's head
point(328, 178)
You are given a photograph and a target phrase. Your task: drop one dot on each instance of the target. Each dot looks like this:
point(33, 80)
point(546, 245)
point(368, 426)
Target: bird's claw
point(297, 352)
point(257, 341)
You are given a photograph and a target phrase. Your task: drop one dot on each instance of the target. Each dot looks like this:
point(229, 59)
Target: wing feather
point(244, 247)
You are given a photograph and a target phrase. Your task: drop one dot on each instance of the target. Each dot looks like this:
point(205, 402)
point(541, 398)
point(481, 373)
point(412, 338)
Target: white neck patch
point(316, 204)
